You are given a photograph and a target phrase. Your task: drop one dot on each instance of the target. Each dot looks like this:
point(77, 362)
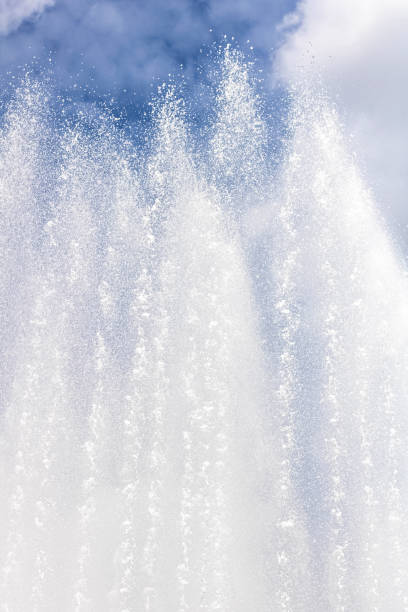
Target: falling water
point(203, 367)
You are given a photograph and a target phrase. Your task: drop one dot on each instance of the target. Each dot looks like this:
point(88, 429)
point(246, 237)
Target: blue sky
point(120, 46)
point(125, 47)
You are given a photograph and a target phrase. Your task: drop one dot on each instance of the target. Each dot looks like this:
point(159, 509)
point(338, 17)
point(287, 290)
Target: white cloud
point(13, 12)
point(360, 50)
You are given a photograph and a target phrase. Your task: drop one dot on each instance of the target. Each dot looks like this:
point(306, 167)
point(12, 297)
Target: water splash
point(338, 285)
point(197, 417)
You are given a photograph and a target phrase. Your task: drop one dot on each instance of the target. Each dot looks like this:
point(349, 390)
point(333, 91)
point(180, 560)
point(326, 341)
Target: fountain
point(195, 416)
